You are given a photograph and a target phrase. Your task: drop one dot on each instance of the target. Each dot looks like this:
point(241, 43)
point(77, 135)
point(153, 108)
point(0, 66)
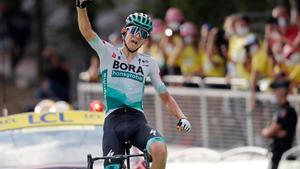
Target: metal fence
point(221, 119)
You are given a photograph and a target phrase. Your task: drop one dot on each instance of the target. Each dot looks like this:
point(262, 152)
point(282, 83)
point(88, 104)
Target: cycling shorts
point(127, 124)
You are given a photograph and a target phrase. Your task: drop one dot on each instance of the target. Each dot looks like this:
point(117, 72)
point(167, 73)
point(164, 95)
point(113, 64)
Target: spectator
point(56, 84)
point(189, 59)
point(223, 45)
point(287, 33)
point(261, 66)
point(240, 61)
point(213, 62)
point(282, 129)
point(92, 74)
point(284, 44)
point(172, 41)
point(154, 45)
point(229, 25)
point(17, 25)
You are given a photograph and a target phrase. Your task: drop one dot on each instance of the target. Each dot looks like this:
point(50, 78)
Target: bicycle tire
point(90, 161)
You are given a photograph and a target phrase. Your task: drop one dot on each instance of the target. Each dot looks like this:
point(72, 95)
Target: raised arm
point(84, 24)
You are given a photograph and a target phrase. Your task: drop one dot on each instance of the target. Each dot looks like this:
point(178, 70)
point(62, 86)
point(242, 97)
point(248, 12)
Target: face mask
point(188, 39)
point(282, 22)
point(242, 30)
point(174, 26)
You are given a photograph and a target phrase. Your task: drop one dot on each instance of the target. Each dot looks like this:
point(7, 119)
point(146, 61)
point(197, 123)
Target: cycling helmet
point(174, 15)
point(188, 29)
point(140, 20)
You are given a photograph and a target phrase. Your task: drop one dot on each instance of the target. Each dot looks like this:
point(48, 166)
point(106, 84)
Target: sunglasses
point(134, 30)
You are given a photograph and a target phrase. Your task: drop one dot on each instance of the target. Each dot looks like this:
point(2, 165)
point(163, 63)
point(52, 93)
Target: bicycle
point(121, 158)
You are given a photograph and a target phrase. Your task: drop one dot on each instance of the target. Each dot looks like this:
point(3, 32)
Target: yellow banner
point(25, 120)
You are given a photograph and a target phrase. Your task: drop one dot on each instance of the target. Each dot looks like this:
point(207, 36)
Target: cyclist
point(124, 72)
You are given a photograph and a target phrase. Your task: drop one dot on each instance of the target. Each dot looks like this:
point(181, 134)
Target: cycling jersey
point(123, 82)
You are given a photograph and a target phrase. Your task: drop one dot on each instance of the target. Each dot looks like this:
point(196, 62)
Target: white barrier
point(198, 157)
point(221, 119)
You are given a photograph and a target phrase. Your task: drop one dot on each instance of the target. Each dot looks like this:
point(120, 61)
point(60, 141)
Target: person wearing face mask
point(213, 63)
point(242, 30)
point(228, 32)
point(238, 40)
point(189, 58)
point(287, 35)
point(288, 31)
point(235, 48)
point(283, 34)
point(282, 128)
point(155, 45)
point(286, 41)
point(174, 18)
point(237, 54)
point(229, 25)
point(172, 42)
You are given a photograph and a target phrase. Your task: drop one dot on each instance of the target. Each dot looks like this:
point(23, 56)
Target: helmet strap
point(131, 51)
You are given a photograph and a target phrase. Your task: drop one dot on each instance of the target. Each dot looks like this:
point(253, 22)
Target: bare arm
point(85, 25)
point(294, 12)
point(171, 105)
point(274, 130)
point(253, 81)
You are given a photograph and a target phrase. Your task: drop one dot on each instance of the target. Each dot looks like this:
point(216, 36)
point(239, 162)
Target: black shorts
point(126, 124)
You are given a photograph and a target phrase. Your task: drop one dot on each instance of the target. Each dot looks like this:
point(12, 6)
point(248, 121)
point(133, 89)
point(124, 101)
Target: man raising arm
point(124, 72)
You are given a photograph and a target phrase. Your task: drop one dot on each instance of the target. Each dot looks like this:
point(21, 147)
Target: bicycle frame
point(121, 158)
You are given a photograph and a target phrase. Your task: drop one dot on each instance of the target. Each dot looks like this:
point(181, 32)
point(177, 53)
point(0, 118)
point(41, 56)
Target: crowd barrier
point(220, 118)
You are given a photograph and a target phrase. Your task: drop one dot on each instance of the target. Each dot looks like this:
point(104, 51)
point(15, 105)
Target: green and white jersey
point(123, 82)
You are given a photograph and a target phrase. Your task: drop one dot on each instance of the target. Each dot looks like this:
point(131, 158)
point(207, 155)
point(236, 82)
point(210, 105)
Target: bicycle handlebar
point(120, 158)
point(116, 157)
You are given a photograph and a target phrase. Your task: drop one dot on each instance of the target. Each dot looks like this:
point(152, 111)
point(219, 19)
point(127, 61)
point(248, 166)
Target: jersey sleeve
point(155, 78)
point(100, 46)
point(287, 119)
point(282, 118)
